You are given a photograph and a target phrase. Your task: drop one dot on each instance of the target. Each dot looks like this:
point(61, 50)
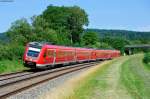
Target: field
point(123, 78)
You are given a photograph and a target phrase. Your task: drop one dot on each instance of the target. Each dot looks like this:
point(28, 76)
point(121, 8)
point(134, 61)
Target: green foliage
point(90, 39)
point(117, 43)
point(11, 51)
point(58, 25)
point(20, 31)
point(68, 20)
point(7, 66)
point(42, 31)
point(105, 45)
point(141, 37)
point(146, 58)
point(119, 38)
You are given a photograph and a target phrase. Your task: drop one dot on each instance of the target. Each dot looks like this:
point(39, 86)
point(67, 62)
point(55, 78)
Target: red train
point(44, 55)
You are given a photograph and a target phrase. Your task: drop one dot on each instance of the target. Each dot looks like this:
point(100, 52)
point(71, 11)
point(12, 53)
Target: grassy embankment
point(136, 77)
point(122, 78)
point(7, 66)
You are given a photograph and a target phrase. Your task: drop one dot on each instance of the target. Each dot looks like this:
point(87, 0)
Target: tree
point(77, 19)
point(42, 31)
point(104, 45)
point(20, 31)
point(90, 39)
point(117, 43)
point(39, 24)
point(70, 20)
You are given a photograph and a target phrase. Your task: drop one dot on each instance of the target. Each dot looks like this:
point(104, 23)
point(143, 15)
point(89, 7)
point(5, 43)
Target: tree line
point(59, 25)
point(130, 35)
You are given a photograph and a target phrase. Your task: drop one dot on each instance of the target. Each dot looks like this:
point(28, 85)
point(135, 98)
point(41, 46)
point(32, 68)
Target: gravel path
point(35, 92)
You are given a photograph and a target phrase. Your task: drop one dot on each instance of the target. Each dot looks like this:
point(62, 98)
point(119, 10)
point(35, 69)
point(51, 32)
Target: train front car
point(32, 54)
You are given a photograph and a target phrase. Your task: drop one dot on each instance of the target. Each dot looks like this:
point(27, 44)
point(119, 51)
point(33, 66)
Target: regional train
point(45, 55)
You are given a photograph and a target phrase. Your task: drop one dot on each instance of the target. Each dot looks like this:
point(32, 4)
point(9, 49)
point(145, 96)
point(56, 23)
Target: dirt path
point(113, 89)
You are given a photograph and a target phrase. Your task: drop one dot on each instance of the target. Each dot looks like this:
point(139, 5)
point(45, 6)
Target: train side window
point(69, 53)
point(50, 53)
point(61, 54)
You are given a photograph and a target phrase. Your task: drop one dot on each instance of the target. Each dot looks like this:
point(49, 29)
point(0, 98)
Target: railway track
point(11, 86)
point(17, 74)
point(13, 75)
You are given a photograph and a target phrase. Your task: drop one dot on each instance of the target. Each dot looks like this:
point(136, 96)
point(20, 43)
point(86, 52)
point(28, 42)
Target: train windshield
point(33, 52)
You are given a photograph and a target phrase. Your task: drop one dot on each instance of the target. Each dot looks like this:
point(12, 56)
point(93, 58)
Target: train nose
point(30, 64)
point(34, 59)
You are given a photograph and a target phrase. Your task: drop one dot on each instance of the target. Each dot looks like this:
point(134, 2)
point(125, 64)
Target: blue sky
point(103, 14)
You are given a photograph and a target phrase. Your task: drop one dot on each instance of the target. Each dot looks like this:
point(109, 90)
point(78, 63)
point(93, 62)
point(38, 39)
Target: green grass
point(84, 92)
point(85, 88)
point(7, 66)
point(126, 78)
point(136, 78)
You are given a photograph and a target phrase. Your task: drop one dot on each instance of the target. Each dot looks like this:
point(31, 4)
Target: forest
point(64, 26)
point(130, 35)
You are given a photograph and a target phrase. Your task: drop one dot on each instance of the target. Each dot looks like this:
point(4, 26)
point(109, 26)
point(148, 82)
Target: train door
point(50, 56)
point(93, 55)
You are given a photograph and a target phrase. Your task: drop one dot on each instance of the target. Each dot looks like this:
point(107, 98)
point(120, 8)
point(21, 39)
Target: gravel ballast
point(37, 91)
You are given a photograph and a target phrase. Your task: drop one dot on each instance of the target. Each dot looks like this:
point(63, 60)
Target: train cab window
point(33, 53)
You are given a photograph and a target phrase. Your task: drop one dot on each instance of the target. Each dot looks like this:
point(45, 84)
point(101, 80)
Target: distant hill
point(3, 37)
point(131, 35)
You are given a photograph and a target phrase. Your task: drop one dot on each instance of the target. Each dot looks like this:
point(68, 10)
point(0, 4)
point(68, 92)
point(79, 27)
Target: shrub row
point(146, 58)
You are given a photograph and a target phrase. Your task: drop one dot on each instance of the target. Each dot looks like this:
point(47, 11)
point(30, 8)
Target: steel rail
point(20, 85)
point(8, 76)
point(14, 75)
point(32, 75)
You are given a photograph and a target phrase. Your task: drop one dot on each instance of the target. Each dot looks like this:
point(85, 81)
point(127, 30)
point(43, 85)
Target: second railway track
point(13, 75)
point(24, 82)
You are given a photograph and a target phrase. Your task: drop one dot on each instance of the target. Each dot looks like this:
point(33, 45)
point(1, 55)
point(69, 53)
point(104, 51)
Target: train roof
point(48, 44)
point(39, 43)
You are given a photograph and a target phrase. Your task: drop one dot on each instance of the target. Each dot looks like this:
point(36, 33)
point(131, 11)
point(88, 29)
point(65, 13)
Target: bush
point(146, 58)
point(11, 52)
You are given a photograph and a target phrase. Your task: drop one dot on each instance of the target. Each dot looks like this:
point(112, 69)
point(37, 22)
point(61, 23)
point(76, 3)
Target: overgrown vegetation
point(11, 51)
point(11, 66)
point(146, 58)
